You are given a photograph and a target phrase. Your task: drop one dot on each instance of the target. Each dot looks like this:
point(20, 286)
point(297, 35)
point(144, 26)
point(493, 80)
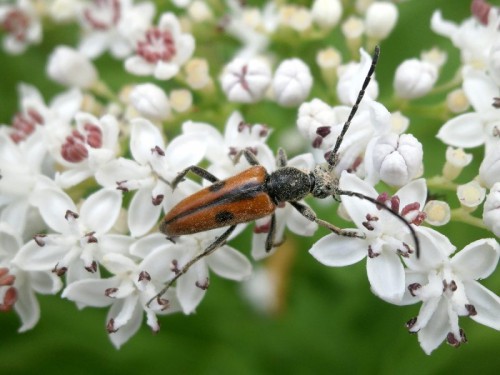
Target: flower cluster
point(86, 177)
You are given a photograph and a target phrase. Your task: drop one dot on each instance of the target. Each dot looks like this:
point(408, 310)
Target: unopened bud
point(181, 100)
point(292, 82)
point(414, 78)
point(437, 212)
point(150, 101)
point(456, 160)
point(491, 212)
point(326, 13)
point(380, 19)
point(471, 194)
point(246, 81)
point(456, 101)
point(71, 68)
point(489, 171)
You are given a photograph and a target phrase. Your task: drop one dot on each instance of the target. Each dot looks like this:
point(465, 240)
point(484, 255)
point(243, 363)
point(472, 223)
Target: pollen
point(438, 212)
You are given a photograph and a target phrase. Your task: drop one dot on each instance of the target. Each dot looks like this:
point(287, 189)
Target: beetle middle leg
point(309, 214)
point(219, 241)
point(203, 173)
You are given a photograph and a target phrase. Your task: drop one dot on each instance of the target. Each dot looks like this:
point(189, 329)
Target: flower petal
point(386, 275)
point(91, 292)
point(53, 205)
point(100, 210)
point(27, 307)
point(338, 251)
point(142, 213)
point(436, 330)
point(188, 293)
point(477, 260)
point(128, 315)
point(486, 303)
point(230, 264)
point(434, 249)
point(143, 137)
point(463, 131)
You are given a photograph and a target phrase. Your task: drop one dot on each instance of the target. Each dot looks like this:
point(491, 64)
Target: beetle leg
point(271, 234)
point(281, 158)
point(219, 241)
point(309, 214)
point(203, 173)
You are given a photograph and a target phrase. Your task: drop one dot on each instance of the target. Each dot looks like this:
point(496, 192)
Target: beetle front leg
point(203, 173)
point(249, 155)
point(219, 241)
point(311, 215)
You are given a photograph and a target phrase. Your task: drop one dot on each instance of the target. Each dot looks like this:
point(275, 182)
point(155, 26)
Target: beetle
point(255, 193)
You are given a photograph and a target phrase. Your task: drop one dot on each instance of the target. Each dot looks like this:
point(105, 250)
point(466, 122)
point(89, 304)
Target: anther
point(371, 253)
point(174, 267)
point(471, 309)
point(39, 239)
point(158, 150)
point(92, 268)
point(157, 200)
point(71, 215)
point(411, 323)
point(412, 288)
point(204, 285)
point(110, 292)
point(110, 327)
point(144, 276)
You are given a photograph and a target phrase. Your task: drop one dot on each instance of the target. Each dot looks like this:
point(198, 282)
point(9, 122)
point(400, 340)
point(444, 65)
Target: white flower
point(197, 73)
point(385, 235)
point(351, 78)
point(292, 82)
point(162, 51)
point(116, 25)
point(71, 68)
point(322, 125)
point(191, 287)
point(491, 213)
point(245, 81)
point(87, 148)
point(456, 160)
point(473, 38)
point(63, 10)
point(127, 292)
point(238, 136)
point(17, 285)
point(152, 167)
point(394, 159)
point(489, 171)
point(22, 24)
point(81, 236)
point(473, 129)
point(326, 13)
point(181, 100)
point(437, 212)
point(448, 289)
point(414, 78)
point(150, 101)
point(380, 19)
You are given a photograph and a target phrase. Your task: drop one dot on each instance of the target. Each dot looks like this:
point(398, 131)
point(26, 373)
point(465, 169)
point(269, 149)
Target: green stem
point(439, 182)
point(459, 214)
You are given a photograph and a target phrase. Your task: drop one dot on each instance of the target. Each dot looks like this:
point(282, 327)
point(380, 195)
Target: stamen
point(204, 285)
point(158, 45)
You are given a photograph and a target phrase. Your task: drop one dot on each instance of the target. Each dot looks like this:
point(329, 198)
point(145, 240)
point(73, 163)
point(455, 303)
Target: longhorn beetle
point(255, 193)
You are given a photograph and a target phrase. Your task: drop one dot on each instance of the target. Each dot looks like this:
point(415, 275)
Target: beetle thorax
point(288, 184)
point(325, 182)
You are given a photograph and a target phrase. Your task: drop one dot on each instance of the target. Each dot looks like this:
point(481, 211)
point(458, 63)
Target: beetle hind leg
point(203, 173)
point(219, 242)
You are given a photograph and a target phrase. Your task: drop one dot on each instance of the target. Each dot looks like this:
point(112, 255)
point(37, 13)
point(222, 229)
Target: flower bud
point(69, 67)
point(494, 62)
point(457, 101)
point(197, 74)
point(297, 17)
point(246, 81)
point(491, 212)
point(399, 122)
point(471, 194)
point(437, 213)
point(313, 115)
point(150, 101)
point(414, 78)
point(380, 19)
point(181, 100)
point(396, 159)
point(292, 82)
point(326, 13)
point(434, 56)
point(353, 28)
point(456, 160)
point(489, 171)
point(199, 11)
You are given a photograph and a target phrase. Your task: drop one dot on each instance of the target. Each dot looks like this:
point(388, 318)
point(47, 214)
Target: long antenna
point(332, 157)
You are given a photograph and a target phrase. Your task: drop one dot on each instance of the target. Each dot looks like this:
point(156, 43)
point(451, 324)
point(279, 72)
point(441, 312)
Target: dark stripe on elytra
point(246, 191)
point(224, 216)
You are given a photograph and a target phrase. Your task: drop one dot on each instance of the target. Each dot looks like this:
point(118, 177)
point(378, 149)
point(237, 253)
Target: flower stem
point(459, 214)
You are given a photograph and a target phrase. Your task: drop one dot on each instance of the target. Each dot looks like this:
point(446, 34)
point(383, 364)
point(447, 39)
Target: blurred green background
point(329, 321)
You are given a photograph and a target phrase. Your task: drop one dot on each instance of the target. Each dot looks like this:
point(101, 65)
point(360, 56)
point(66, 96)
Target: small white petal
point(142, 213)
point(434, 249)
point(45, 282)
point(188, 293)
point(100, 210)
point(27, 308)
point(176, 151)
point(129, 314)
point(53, 205)
point(338, 251)
point(463, 131)
point(386, 275)
point(436, 330)
point(91, 292)
point(477, 260)
point(144, 136)
point(486, 303)
point(230, 264)
point(137, 65)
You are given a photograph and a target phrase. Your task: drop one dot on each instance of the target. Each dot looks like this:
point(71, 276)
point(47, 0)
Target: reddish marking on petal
point(16, 23)
point(480, 9)
point(415, 206)
point(158, 45)
point(95, 12)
